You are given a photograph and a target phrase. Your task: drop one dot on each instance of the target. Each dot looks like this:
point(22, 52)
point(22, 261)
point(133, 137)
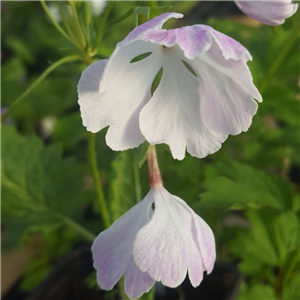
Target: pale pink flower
point(186, 111)
point(164, 244)
point(270, 12)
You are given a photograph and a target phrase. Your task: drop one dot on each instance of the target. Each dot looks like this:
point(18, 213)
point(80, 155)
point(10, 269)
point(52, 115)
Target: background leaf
point(40, 189)
point(230, 183)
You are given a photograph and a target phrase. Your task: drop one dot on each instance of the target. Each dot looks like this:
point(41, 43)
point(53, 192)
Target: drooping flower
point(270, 12)
point(205, 93)
point(113, 255)
point(161, 244)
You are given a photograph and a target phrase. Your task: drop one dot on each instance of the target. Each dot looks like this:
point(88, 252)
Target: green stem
point(88, 35)
point(37, 82)
point(124, 17)
point(280, 58)
point(78, 228)
point(66, 20)
point(96, 176)
point(137, 183)
point(104, 19)
point(78, 27)
point(153, 3)
point(291, 267)
point(56, 25)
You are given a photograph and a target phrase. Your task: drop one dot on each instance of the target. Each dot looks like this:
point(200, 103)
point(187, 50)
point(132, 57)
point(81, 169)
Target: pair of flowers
point(149, 245)
point(197, 112)
point(205, 93)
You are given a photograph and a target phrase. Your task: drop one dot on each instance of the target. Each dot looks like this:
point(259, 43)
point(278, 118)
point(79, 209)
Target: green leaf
point(68, 130)
point(256, 244)
point(36, 272)
point(296, 203)
point(125, 186)
point(257, 292)
point(230, 183)
point(270, 241)
point(20, 48)
point(40, 189)
point(286, 234)
point(291, 290)
point(142, 153)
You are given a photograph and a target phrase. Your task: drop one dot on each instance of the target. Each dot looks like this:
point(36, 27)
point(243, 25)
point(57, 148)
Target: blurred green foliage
point(248, 191)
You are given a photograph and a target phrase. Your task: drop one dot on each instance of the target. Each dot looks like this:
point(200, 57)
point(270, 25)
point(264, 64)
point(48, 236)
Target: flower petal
point(166, 248)
point(268, 12)
point(227, 92)
point(124, 89)
point(196, 40)
point(88, 93)
point(136, 282)
point(155, 23)
point(112, 251)
point(206, 242)
point(172, 116)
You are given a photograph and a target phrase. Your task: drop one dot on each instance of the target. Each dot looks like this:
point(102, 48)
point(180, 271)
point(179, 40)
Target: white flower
point(270, 12)
point(186, 111)
point(164, 244)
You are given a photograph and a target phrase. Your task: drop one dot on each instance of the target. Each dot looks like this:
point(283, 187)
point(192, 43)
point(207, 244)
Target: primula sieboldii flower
point(205, 93)
point(270, 12)
point(161, 245)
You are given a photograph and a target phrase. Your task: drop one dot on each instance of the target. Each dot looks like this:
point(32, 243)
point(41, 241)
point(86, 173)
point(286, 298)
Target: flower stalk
point(282, 54)
point(53, 21)
point(89, 236)
point(62, 61)
point(155, 180)
point(96, 176)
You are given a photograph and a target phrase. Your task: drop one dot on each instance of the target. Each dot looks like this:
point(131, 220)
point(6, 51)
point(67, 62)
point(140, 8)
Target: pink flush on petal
point(270, 12)
point(174, 243)
point(163, 244)
point(206, 91)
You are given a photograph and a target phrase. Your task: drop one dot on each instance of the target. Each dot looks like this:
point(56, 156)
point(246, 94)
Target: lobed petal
point(227, 91)
point(185, 112)
point(112, 251)
point(136, 282)
point(196, 40)
point(116, 96)
point(272, 12)
point(168, 246)
point(154, 24)
point(88, 93)
point(172, 116)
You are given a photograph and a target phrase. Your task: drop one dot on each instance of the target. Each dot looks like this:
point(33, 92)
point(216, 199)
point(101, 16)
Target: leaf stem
point(56, 25)
point(78, 228)
point(291, 267)
point(124, 17)
point(153, 3)
point(37, 82)
point(96, 176)
point(82, 40)
point(284, 51)
point(104, 19)
point(137, 183)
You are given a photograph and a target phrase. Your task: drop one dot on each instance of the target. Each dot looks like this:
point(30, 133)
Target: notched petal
point(172, 115)
point(167, 247)
point(112, 251)
point(92, 114)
